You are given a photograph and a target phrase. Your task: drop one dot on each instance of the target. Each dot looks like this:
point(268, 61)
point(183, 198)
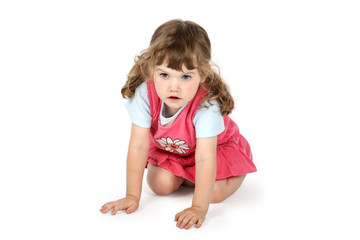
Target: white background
point(293, 68)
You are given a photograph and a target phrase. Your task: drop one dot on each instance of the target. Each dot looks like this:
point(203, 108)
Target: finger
point(181, 217)
point(105, 208)
point(199, 223)
point(116, 209)
point(185, 221)
point(109, 205)
point(191, 223)
point(104, 205)
point(177, 216)
point(131, 209)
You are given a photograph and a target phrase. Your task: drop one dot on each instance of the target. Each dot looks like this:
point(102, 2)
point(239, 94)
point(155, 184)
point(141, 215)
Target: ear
point(149, 79)
point(203, 85)
point(150, 72)
point(150, 75)
point(203, 79)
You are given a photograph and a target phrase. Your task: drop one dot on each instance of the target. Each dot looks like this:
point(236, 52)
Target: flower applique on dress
point(173, 145)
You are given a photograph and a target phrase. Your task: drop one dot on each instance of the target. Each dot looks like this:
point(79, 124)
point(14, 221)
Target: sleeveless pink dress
point(173, 147)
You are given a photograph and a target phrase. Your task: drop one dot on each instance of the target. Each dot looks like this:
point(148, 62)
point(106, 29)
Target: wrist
point(132, 196)
point(202, 207)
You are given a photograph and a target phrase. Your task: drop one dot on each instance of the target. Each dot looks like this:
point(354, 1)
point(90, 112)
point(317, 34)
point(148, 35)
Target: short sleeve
point(138, 107)
point(208, 121)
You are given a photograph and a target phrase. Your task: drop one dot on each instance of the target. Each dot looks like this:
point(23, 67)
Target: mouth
point(174, 98)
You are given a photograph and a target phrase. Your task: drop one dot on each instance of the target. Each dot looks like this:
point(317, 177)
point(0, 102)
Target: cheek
point(191, 89)
point(158, 88)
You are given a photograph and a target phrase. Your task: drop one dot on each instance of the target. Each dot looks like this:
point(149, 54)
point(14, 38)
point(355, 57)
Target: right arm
point(136, 162)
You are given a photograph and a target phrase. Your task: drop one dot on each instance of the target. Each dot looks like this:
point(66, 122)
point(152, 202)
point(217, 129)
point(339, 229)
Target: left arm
point(205, 164)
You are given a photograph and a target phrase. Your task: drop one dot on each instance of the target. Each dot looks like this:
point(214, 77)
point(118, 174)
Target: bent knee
point(226, 187)
point(161, 190)
point(218, 195)
point(162, 186)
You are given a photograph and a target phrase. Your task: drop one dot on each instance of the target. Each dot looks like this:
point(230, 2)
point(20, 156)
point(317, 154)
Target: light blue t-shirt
point(208, 122)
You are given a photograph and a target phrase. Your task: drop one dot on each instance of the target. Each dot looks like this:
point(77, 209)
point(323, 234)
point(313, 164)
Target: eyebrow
point(189, 72)
point(159, 69)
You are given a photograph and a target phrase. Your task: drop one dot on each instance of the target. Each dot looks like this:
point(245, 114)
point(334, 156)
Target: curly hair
point(180, 43)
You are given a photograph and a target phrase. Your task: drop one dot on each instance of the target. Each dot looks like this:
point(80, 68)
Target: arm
point(136, 161)
point(205, 163)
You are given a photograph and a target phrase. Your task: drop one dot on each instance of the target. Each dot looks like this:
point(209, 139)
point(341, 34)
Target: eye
point(186, 77)
point(164, 75)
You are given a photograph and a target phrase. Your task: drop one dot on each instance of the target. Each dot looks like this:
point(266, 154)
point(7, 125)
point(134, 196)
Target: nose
point(174, 85)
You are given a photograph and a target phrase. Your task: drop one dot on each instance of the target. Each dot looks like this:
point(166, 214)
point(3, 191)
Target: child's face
point(176, 88)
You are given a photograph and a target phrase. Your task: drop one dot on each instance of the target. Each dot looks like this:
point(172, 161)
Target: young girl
point(181, 131)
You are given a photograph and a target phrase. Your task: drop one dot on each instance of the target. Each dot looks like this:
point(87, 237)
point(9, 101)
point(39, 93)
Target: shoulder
point(208, 120)
point(141, 91)
point(138, 107)
point(213, 105)
point(140, 96)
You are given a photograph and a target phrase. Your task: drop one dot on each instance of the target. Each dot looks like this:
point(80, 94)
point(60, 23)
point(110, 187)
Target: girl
point(181, 131)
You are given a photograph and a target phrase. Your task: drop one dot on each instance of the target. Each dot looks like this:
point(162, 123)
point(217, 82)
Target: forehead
point(164, 67)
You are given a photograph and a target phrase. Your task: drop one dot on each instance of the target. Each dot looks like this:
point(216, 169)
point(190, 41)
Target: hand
point(130, 204)
point(190, 216)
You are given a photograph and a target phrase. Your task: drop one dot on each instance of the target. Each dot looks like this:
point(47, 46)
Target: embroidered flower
point(173, 145)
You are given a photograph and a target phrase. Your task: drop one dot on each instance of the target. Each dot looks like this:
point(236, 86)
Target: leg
point(162, 181)
point(188, 183)
point(225, 187)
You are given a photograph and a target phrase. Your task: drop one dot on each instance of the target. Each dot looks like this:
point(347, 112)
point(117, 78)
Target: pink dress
point(173, 147)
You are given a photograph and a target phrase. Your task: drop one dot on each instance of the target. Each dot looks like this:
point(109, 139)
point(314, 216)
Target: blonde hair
point(180, 43)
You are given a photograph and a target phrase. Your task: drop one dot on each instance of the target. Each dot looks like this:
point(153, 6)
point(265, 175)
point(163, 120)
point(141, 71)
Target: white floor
point(63, 202)
point(293, 68)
